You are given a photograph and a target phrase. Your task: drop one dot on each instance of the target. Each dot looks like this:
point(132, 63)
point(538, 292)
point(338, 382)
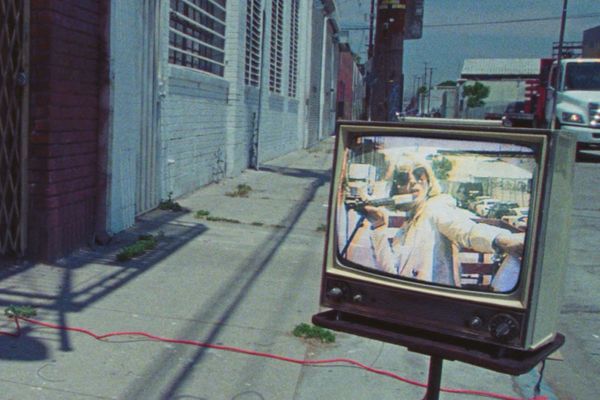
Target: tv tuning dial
point(476, 322)
point(504, 327)
point(335, 293)
point(358, 298)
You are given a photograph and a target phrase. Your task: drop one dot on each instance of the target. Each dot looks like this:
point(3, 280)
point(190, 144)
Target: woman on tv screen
point(414, 230)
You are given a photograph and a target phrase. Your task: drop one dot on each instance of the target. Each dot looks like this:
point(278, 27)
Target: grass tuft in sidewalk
point(242, 190)
point(143, 244)
point(170, 204)
point(20, 311)
point(313, 332)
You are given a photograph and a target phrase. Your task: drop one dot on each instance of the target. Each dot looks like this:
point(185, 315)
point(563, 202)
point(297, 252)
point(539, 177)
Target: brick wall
point(66, 47)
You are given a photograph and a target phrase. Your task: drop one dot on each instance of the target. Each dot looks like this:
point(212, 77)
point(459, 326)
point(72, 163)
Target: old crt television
point(460, 230)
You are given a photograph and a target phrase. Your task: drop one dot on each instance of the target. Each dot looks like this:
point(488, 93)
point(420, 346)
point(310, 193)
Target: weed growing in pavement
point(143, 244)
point(313, 332)
point(242, 190)
point(20, 311)
point(201, 214)
point(322, 228)
point(221, 219)
point(170, 204)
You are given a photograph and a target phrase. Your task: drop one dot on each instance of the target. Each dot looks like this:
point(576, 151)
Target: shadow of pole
point(67, 298)
point(231, 294)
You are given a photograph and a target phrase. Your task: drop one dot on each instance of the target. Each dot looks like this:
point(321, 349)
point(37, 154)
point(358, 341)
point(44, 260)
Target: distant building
point(591, 43)
point(507, 79)
point(443, 102)
point(349, 87)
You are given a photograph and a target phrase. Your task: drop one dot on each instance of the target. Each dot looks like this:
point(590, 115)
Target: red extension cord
point(259, 354)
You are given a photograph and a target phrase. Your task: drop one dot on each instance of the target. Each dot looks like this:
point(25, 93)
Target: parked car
point(467, 192)
point(515, 218)
point(521, 223)
point(515, 115)
point(501, 209)
point(476, 201)
point(483, 207)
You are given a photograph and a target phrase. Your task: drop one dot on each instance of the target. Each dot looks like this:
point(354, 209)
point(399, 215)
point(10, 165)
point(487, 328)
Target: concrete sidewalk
point(245, 277)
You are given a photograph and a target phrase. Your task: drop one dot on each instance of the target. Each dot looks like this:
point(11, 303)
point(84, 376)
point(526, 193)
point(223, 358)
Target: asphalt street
point(243, 271)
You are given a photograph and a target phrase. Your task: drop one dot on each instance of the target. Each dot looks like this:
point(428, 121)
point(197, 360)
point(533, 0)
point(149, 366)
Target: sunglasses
point(402, 178)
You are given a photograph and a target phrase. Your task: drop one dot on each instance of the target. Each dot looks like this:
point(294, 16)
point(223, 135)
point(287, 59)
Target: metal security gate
point(14, 59)
point(147, 190)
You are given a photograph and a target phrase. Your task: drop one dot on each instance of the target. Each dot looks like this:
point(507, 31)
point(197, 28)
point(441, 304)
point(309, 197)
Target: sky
point(445, 48)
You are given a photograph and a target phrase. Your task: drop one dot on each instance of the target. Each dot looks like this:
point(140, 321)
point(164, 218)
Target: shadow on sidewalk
point(55, 290)
point(221, 306)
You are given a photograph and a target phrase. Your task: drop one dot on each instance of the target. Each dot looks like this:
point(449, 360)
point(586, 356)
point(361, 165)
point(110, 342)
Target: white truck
point(576, 89)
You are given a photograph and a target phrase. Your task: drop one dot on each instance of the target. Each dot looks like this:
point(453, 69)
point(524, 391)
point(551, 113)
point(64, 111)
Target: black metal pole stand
point(435, 378)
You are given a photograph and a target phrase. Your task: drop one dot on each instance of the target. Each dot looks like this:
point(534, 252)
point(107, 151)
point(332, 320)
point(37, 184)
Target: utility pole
point(417, 93)
point(369, 71)
point(388, 80)
point(371, 26)
point(429, 90)
point(424, 85)
point(563, 20)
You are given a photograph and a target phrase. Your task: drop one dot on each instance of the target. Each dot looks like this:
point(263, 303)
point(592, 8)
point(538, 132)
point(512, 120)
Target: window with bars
point(197, 34)
point(276, 52)
point(293, 72)
point(253, 43)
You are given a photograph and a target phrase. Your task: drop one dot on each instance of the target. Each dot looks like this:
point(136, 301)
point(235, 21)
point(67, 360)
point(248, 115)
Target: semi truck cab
point(576, 87)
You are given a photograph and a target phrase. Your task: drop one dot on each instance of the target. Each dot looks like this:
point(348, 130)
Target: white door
point(147, 182)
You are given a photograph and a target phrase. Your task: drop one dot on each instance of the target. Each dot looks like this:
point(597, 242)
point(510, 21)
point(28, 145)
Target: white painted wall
point(125, 112)
point(207, 122)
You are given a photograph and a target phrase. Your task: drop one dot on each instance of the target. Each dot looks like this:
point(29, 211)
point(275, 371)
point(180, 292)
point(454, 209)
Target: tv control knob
point(504, 328)
point(476, 322)
point(335, 293)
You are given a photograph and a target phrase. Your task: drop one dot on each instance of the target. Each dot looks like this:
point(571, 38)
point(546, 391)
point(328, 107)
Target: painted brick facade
point(66, 62)
point(115, 127)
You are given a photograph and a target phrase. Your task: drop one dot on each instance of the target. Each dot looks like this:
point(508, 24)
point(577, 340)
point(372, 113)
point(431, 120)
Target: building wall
point(345, 83)
point(502, 92)
point(358, 93)
point(208, 123)
point(90, 96)
point(193, 129)
point(66, 66)
point(125, 117)
point(591, 43)
point(329, 69)
point(313, 93)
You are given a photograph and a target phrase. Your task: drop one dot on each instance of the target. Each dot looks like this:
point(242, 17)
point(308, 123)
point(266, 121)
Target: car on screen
point(501, 209)
point(517, 217)
point(483, 207)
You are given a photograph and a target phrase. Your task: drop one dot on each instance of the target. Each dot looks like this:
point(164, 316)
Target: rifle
point(391, 202)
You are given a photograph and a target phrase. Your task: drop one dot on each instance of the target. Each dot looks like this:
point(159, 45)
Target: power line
point(510, 21)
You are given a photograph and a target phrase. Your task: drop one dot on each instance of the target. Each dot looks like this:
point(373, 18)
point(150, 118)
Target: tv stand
point(439, 347)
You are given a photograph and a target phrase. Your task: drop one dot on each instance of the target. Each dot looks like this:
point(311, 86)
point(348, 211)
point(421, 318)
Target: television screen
point(442, 211)
point(452, 227)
